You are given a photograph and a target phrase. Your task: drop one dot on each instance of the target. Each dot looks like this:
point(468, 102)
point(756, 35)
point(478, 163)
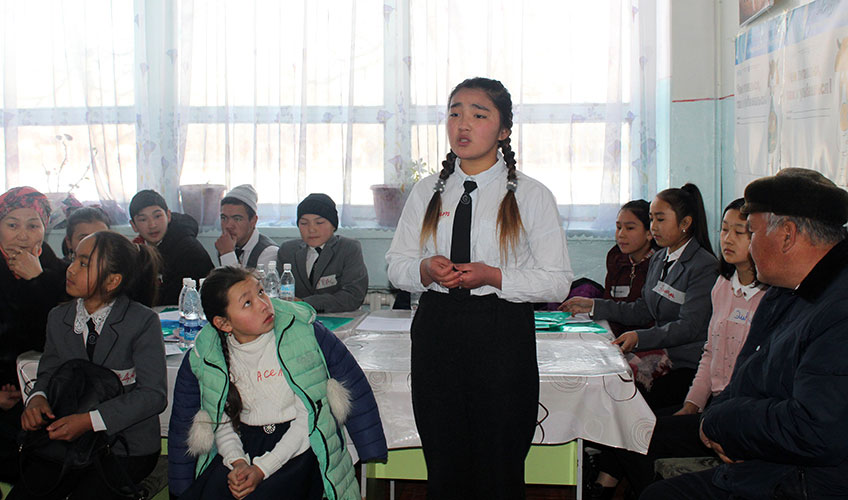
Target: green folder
point(554, 321)
point(332, 322)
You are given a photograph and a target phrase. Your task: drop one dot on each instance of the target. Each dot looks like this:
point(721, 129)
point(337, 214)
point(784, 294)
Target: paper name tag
point(740, 316)
point(326, 281)
point(620, 292)
point(669, 292)
point(127, 376)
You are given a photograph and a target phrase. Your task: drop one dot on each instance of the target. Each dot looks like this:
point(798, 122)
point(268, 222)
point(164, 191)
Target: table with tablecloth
point(586, 390)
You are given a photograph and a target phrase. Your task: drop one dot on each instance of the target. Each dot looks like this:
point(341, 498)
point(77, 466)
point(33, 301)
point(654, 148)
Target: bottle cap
point(192, 283)
point(186, 281)
point(286, 267)
point(272, 265)
point(201, 282)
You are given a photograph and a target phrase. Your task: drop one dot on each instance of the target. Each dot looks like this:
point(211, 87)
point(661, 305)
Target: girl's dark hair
point(724, 268)
point(79, 216)
point(509, 219)
point(686, 201)
point(138, 265)
point(642, 210)
point(213, 297)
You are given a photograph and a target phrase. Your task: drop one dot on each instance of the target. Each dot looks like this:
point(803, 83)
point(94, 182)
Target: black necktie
point(461, 238)
point(666, 265)
point(312, 271)
point(239, 253)
point(91, 340)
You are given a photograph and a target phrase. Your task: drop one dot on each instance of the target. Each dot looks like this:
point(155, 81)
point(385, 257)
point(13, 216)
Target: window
point(318, 95)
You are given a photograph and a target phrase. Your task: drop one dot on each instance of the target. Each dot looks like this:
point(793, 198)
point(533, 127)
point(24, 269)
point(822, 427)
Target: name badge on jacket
point(740, 316)
point(669, 292)
point(127, 376)
point(326, 281)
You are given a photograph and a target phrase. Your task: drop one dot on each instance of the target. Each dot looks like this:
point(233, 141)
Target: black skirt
point(299, 478)
point(475, 393)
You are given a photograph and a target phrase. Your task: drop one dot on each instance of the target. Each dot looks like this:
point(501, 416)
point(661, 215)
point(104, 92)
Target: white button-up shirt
point(538, 270)
point(267, 255)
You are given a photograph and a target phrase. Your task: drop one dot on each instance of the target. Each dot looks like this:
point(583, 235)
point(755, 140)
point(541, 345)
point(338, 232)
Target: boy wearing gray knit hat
point(329, 270)
point(240, 243)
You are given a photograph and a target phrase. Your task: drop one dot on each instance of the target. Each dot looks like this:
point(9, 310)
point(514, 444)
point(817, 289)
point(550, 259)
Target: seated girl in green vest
point(266, 395)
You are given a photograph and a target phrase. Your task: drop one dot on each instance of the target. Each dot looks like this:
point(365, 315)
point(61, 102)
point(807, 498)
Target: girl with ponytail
point(483, 241)
point(676, 297)
point(110, 324)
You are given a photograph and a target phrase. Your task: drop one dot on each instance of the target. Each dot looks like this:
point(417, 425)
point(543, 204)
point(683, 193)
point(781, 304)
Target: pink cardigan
point(727, 332)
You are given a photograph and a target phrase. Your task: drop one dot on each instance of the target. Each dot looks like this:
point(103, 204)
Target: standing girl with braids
point(266, 394)
point(484, 241)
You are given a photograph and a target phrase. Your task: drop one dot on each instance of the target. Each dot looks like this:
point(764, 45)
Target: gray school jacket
point(131, 345)
point(340, 280)
point(680, 312)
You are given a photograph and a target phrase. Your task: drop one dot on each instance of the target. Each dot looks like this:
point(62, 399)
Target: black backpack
point(77, 386)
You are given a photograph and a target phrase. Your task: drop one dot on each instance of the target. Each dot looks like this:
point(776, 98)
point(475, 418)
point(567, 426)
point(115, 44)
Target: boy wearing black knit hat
point(329, 269)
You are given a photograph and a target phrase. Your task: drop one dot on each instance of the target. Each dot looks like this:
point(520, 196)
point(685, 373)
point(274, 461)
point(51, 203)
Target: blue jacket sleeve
point(363, 423)
point(186, 404)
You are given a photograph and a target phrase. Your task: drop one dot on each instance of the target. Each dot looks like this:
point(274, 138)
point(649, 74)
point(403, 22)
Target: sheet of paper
point(172, 349)
point(377, 324)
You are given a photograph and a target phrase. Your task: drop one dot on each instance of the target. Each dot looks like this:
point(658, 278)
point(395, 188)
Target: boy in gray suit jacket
point(329, 270)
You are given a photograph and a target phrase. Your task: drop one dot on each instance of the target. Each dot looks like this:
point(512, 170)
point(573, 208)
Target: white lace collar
point(99, 317)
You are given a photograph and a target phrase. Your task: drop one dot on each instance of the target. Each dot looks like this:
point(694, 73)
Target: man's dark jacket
point(785, 411)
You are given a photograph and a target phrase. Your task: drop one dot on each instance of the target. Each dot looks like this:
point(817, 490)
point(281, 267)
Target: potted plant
point(389, 198)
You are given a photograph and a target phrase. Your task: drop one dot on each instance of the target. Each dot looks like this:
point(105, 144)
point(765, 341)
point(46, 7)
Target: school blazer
point(340, 264)
point(131, 338)
point(680, 324)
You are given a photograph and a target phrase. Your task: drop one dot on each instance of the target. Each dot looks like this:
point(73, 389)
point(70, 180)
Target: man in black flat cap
point(781, 425)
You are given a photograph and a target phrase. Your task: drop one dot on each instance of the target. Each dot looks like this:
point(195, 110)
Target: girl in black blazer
point(676, 295)
point(107, 326)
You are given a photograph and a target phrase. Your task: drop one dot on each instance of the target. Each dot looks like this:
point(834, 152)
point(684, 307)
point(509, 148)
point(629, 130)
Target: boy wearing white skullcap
point(240, 243)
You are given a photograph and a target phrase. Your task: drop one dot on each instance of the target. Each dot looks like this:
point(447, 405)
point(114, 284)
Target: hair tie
point(511, 185)
point(440, 186)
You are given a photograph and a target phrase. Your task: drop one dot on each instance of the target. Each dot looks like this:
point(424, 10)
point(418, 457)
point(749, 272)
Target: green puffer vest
point(306, 372)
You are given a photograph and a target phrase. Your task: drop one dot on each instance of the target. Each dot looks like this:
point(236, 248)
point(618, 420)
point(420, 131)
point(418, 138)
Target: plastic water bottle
point(202, 312)
point(191, 310)
point(181, 310)
point(287, 283)
point(272, 280)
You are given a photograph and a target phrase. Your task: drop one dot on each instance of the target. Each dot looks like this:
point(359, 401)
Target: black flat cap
point(798, 192)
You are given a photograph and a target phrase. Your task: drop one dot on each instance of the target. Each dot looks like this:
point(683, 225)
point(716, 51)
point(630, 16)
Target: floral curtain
point(301, 96)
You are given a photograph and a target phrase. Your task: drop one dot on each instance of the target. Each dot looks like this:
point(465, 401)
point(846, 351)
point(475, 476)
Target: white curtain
point(301, 96)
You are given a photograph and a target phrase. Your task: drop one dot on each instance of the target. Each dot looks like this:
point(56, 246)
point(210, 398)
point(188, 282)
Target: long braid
point(509, 218)
point(233, 406)
point(430, 223)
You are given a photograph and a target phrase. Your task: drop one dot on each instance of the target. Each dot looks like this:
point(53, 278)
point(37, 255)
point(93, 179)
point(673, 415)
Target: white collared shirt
point(538, 271)
point(748, 291)
point(312, 256)
point(267, 255)
point(674, 256)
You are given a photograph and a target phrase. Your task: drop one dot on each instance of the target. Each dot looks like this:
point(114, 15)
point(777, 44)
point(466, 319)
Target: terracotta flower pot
point(388, 203)
point(203, 202)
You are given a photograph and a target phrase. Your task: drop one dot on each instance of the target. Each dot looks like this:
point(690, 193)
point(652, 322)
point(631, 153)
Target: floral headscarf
point(25, 197)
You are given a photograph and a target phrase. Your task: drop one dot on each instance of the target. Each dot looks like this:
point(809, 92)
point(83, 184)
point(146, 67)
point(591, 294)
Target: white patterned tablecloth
point(586, 390)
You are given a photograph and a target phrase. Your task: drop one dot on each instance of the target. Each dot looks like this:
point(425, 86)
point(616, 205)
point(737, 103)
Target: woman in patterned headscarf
point(32, 281)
